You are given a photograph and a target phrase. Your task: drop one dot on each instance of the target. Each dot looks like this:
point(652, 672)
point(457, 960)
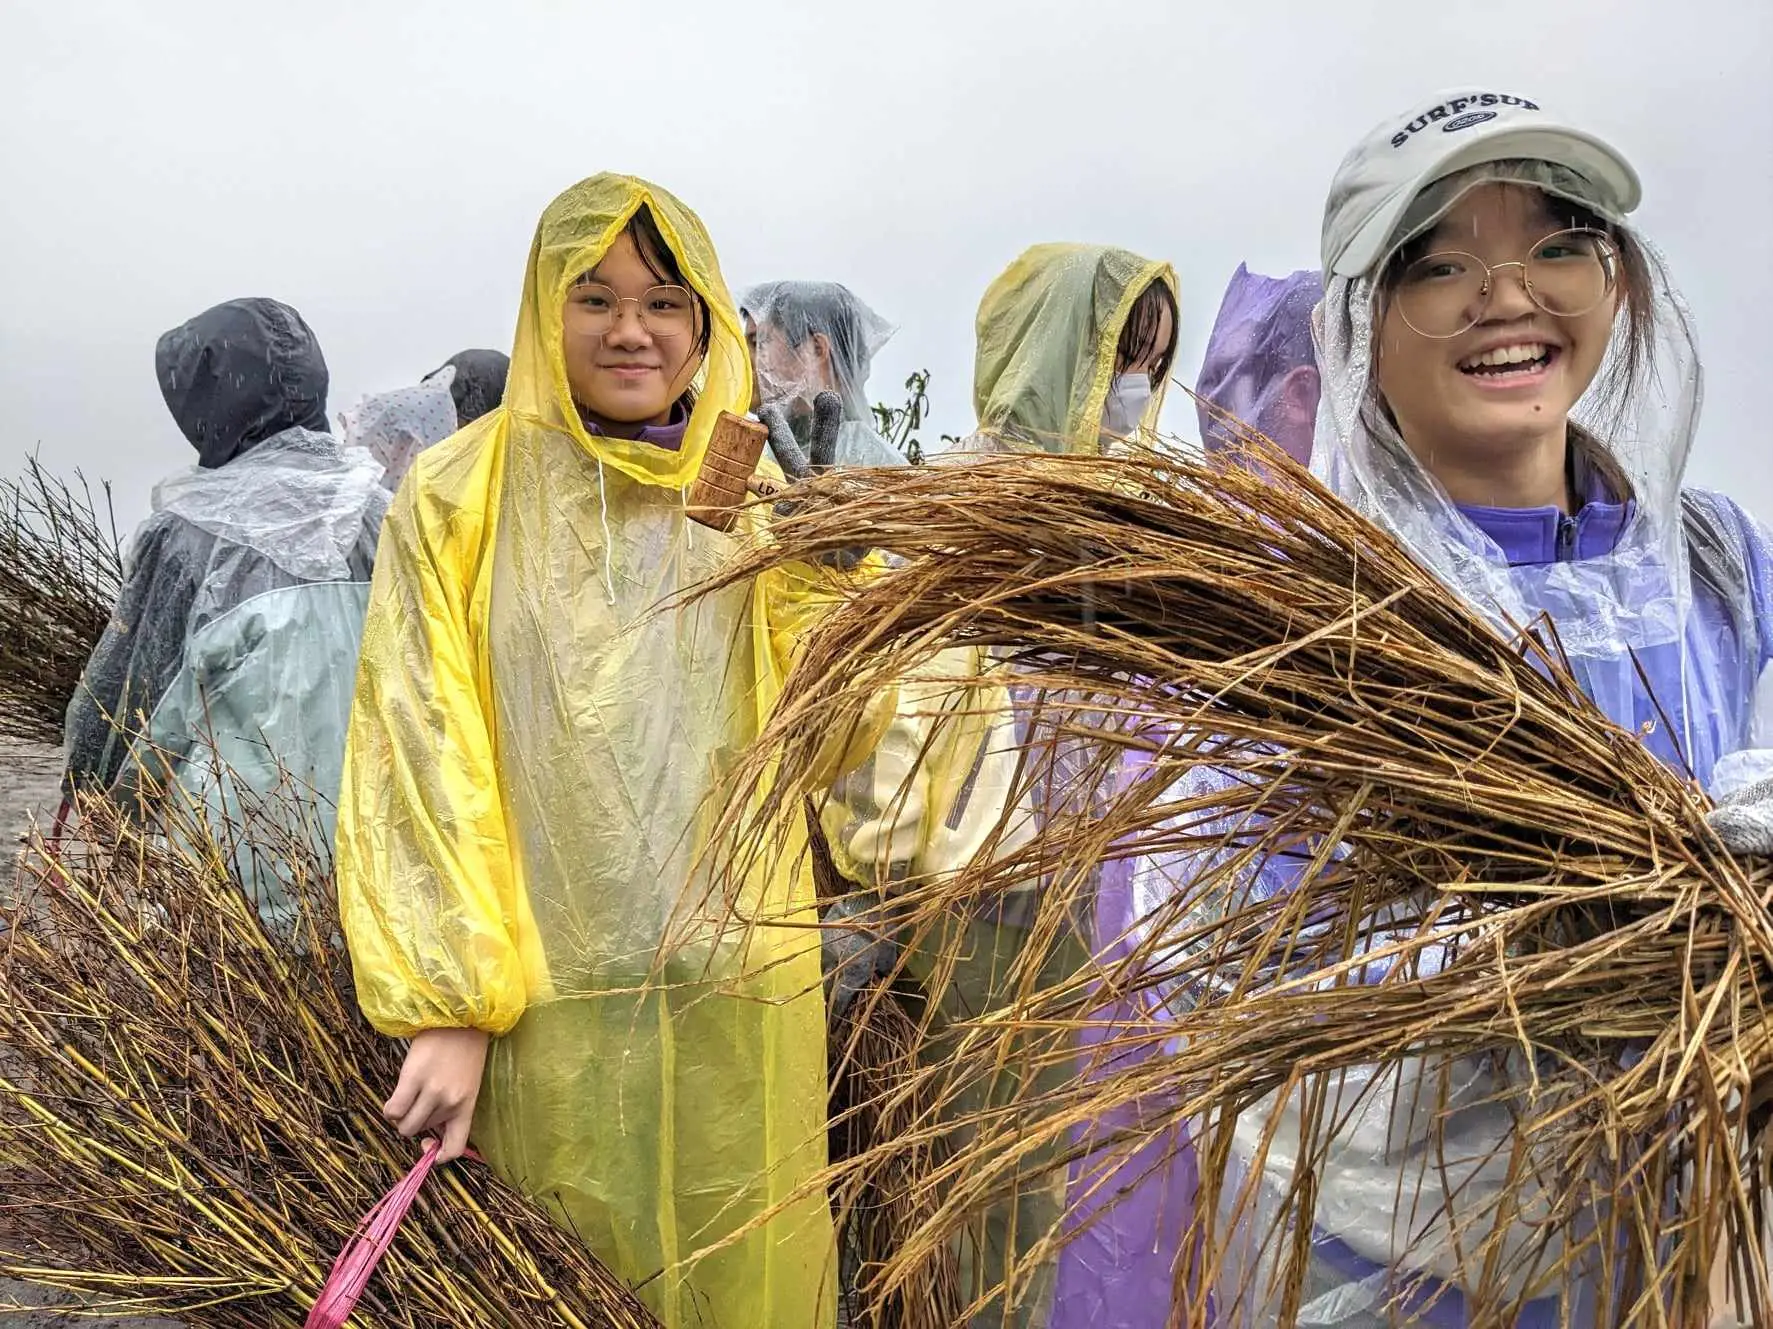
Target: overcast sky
point(381, 167)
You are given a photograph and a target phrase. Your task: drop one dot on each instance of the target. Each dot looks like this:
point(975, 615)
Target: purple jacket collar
point(668, 436)
point(1529, 536)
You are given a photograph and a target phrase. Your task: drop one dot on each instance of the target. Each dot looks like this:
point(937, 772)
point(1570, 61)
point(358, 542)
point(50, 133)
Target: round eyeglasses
point(1567, 274)
point(665, 311)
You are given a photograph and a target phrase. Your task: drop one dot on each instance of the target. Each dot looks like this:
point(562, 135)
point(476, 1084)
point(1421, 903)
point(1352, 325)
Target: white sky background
point(381, 167)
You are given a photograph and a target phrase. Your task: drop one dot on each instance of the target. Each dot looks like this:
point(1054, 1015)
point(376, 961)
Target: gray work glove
point(857, 949)
point(1744, 820)
point(800, 463)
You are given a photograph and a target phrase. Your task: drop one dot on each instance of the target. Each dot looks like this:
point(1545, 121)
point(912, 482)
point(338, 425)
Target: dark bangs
point(1140, 336)
point(663, 264)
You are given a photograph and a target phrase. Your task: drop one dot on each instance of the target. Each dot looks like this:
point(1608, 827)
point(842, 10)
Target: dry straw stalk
point(1489, 873)
point(60, 572)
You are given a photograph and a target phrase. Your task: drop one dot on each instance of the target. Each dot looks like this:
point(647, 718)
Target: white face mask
point(1129, 396)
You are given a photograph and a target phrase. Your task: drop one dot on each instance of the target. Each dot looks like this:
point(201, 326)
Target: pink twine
point(357, 1263)
point(59, 828)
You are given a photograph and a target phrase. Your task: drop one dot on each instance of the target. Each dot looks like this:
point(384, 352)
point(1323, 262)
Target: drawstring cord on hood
point(609, 581)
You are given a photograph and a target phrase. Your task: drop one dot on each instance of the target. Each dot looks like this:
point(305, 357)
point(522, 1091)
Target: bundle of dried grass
point(60, 572)
point(1489, 873)
point(876, 1097)
point(189, 1101)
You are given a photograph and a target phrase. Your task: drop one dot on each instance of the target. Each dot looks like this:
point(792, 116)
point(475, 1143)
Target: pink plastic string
point(357, 1263)
point(59, 828)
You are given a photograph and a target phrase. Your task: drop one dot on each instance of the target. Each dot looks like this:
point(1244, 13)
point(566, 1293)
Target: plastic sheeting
point(527, 798)
point(1409, 1183)
point(225, 677)
point(793, 319)
point(254, 723)
point(292, 512)
point(298, 502)
point(1260, 366)
point(394, 427)
point(1048, 330)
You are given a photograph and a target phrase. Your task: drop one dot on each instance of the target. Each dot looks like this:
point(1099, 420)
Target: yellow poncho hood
point(1048, 329)
point(575, 232)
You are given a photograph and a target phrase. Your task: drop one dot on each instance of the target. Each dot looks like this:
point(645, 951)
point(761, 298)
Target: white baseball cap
point(1378, 181)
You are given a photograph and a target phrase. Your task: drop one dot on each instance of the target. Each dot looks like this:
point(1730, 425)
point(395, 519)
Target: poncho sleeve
point(432, 906)
point(939, 783)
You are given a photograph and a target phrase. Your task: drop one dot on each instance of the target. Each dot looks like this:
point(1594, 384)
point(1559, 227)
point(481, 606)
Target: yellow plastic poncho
point(524, 807)
point(1048, 328)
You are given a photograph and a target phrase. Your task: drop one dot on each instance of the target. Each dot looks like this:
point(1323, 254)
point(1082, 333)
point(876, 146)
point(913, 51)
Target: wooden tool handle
point(734, 450)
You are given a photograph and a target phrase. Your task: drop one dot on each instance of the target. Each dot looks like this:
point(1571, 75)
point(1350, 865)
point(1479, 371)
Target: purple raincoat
point(1260, 366)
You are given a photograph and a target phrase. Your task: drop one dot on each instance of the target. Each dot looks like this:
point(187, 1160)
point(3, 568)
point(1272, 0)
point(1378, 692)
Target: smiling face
point(1504, 387)
point(624, 374)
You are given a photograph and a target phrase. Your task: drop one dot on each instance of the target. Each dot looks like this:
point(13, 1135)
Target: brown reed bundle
point(60, 572)
point(190, 1101)
point(875, 1099)
point(1489, 873)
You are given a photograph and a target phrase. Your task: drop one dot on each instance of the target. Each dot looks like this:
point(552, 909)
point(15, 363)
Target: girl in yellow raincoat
point(526, 795)
point(1075, 343)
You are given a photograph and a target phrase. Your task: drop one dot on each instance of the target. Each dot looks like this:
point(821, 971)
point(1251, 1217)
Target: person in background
point(476, 380)
point(1075, 346)
point(1260, 367)
point(808, 337)
point(527, 800)
point(394, 427)
point(226, 667)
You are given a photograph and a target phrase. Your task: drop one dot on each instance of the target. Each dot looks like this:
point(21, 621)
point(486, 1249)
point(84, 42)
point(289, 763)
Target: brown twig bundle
point(190, 1101)
point(60, 572)
point(1487, 874)
point(876, 1099)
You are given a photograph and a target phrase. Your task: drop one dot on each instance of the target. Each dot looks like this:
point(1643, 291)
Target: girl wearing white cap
point(1510, 386)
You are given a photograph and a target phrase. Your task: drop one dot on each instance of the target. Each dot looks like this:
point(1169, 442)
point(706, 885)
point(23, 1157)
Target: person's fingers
point(420, 1115)
point(784, 445)
point(827, 420)
point(406, 1092)
point(455, 1134)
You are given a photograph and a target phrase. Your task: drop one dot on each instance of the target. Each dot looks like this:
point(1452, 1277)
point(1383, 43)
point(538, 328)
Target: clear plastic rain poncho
point(1260, 366)
point(476, 381)
point(1675, 586)
point(1048, 331)
point(394, 427)
point(813, 337)
point(226, 670)
point(535, 742)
